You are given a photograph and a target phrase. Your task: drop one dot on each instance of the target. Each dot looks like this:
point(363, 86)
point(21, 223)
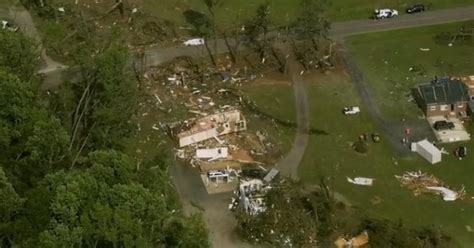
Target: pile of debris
point(361, 240)
point(252, 190)
point(220, 139)
point(420, 183)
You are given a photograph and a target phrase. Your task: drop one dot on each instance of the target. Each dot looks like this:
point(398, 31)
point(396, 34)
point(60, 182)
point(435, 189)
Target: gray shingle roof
point(444, 91)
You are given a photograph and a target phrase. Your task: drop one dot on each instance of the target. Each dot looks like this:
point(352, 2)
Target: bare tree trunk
point(230, 48)
point(210, 53)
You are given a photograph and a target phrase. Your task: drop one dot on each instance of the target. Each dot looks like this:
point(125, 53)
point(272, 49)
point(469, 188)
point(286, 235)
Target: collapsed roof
point(211, 126)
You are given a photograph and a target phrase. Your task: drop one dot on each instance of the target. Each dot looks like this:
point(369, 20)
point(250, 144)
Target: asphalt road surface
point(344, 29)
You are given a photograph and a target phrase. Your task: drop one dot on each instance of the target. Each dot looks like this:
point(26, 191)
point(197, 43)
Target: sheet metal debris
point(361, 181)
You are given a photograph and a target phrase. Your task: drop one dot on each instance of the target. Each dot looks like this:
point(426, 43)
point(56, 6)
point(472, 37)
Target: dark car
point(416, 8)
point(443, 125)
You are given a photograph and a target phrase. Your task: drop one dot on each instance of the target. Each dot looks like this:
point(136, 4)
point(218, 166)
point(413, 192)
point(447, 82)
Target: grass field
point(273, 96)
point(284, 10)
point(332, 156)
point(386, 58)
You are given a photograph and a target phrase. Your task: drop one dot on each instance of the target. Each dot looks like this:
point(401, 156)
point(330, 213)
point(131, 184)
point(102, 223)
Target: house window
point(443, 107)
point(432, 108)
point(460, 105)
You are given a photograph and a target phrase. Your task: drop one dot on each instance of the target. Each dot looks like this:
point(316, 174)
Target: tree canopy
point(312, 22)
point(18, 54)
point(65, 180)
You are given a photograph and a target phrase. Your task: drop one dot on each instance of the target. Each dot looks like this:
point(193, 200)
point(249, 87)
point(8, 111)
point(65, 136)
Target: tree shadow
point(202, 25)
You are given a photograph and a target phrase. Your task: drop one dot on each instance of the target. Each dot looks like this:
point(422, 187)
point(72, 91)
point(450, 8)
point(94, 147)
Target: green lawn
point(333, 157)
point(386, 58)
point(275, 98)
point(284, 10)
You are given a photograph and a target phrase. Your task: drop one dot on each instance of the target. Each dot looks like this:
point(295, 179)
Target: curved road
point(288, 166)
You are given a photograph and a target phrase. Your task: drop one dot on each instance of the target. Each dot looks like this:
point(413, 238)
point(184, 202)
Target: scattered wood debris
point(421, 183)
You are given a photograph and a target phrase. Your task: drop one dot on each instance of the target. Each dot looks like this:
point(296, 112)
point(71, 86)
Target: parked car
point(385, 13)
point(443, 125)
point(416, 8)
point(351, 110)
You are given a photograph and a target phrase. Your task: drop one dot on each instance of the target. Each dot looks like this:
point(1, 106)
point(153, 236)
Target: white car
point(351, 110)
point(194, 42)
point(385, 13)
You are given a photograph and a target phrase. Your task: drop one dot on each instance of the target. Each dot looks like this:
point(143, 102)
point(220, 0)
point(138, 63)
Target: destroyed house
point(211, 126)
point(442, 97)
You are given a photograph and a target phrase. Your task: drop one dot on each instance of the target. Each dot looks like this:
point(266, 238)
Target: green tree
point(203, 27)
point(311, 28)
point(186, 232)
point(32, 141)
point(10, 205)
point(18, 54)
point(101, 103)
point(312, 23)
point(258, 28)
point(102, 205)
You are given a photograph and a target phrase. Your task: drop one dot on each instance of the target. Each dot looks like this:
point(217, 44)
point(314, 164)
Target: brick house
point(443, 96)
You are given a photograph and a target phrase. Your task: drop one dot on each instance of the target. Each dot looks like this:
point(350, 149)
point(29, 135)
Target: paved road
point(288, 166)
point(344, 29)
point(339, 29)
point(220, 221)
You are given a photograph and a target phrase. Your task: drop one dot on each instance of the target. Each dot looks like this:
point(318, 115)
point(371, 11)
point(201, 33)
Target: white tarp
point(361, 181)
point(427, 151)
point(212, 154)
point(448, 195)
point(194, 42)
